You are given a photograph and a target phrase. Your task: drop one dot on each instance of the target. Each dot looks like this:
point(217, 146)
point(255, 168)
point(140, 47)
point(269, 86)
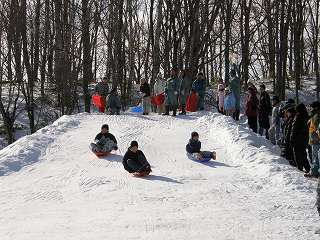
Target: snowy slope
point(52, 187)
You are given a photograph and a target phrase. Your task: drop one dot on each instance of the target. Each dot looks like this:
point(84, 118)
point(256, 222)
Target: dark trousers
point(138, 166)
point(236, 115)
point(300, 157)
point(253, 123)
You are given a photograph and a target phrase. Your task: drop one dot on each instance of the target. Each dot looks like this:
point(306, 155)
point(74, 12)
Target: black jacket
point(288, 152)
point(107, 136)
point(193, 146)
point(265, 109)
point(145, 88)
point(138, 157)
point(299, 132)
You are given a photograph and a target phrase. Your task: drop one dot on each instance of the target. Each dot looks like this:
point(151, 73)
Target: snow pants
point(315, 168)
point(138, 166)
point(146, 101)
point(300, 157)
point(253, 123)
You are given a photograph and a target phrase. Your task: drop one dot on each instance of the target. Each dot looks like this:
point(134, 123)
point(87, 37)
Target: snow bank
point(256, 154)
point(31, 149)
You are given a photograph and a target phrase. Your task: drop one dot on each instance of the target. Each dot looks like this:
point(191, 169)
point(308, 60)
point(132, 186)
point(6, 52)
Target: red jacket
point(252, 105)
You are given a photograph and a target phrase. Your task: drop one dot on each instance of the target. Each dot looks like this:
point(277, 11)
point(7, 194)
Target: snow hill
point(53, 187)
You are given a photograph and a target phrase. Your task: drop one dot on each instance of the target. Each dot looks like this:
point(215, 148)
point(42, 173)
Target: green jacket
point(172, 91)
point(235, 87)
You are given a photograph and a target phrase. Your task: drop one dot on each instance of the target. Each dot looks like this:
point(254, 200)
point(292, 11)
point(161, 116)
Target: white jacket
point(159, 86)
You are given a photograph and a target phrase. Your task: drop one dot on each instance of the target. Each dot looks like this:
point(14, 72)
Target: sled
point(102, 154)
point(192, 103)
point(140, 174)
point(158, 100)
point(99, 102)
point(137, 109)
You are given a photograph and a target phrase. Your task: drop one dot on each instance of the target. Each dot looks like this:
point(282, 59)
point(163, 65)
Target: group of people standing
point(175, 91)
point(228, 97)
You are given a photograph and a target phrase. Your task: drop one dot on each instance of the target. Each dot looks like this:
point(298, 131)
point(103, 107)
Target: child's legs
point(135, 166)
point(207, 154)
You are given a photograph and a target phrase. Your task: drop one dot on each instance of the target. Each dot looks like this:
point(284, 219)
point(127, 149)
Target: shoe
point(167, 111)
point(174, 113)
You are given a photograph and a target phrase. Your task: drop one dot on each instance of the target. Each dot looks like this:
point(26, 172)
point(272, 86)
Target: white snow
point(53, 187)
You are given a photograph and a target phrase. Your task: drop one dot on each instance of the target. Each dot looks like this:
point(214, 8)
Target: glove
point(115, 148)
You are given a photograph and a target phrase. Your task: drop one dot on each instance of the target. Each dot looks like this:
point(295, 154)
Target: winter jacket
point(113, 102)
point(107, 139)
point(159, 86)
point(199, 86)
point(229, 102)
point(220, 97)
point(138, 157)
point(275, 117)
point(288, 148)
point(299, 133)
point(193, 146)
point(235, 87)
point(172, 91)
point(313, 128)
point(184, 89)
point(265, 109)
point(102, 88)
point(145, 88)
point(252, 106)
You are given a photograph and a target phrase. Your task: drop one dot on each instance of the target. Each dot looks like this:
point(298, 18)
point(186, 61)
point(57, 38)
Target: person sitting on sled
point(104, 141)
point(194, 148)
point(134, 161)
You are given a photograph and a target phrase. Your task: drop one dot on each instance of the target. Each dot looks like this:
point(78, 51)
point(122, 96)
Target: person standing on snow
point(275, 129)
point(102, 88)
point(299, 138)
point(172, 91)
point(318, 198)
point(235, 88)
point(199, 86)
point(289, 116)
point(314, 139)
point(134, 161)
point(252, 109)
point(113, 103)
point(146, 101)
point(184, 89)
point(220, 97)
point(194, 148)
point(229, 105)
point(159, 88)
point(264, 111)
point(104, 141)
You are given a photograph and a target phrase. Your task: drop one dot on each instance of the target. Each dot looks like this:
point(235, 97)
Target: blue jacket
point(199, 85)
point(229, 102)
point(193, 146)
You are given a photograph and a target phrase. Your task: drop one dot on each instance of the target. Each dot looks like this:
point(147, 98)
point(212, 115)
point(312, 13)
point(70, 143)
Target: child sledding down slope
point(194, 148)
point(134, 161)
point(104, 142)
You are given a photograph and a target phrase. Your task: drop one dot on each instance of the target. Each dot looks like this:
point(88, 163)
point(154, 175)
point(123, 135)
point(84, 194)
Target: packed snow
point(53, 187)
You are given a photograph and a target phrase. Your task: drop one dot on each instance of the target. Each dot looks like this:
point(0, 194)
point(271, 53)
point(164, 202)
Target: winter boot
point(183, 112)
point(166, 112)
point(174, 112)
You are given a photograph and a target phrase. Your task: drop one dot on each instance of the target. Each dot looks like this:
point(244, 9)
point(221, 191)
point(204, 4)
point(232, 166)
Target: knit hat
point(194, 134)
point(105, 126)
point(134, 144)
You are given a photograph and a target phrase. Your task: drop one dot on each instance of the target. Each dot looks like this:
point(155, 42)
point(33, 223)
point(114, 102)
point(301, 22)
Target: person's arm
point(113, 138)
point(98, 137)
point(143, 161)
point(125, 163)
point(189, 148)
